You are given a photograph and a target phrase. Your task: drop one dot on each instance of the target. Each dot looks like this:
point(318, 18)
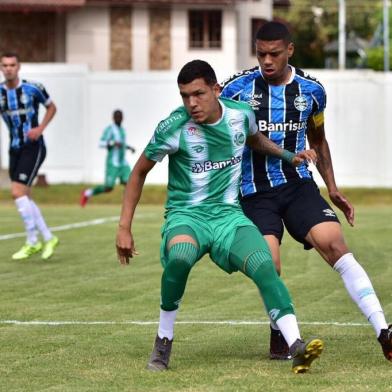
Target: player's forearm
point(324, 164)
point(132, 194)
point(265, 146)
point(50, 112)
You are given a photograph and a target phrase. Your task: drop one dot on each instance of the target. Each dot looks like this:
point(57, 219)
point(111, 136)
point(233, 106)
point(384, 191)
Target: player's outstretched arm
point(265, 146)
point(124, 240)
point(318, 141)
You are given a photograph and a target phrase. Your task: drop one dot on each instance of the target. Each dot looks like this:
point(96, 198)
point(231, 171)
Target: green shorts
point(114, 172)
point(215, 227)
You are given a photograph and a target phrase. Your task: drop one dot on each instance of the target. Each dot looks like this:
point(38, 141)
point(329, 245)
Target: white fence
point(357, 120)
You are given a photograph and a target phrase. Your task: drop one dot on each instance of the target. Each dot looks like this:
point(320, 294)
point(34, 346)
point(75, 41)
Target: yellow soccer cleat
point(49, 248)
point(26, 251)
point(304, 353)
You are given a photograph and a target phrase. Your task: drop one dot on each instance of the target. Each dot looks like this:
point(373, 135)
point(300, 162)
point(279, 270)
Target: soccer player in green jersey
point(204, 140)
point(113, 138)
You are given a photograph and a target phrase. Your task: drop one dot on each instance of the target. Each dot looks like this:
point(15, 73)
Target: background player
point(19, 105)
point(289, 106)
point(204, 140)
point(114, 139)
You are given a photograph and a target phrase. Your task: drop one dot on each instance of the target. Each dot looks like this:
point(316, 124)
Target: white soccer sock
point(361, 290)
point(166, 323)
point(25, 210)
point(88, 192)
point(289, 327)
point(40, 222)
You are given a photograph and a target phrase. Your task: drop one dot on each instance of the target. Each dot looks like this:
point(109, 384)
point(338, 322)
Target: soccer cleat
point(49, 247)
point(83, 199)
point(304, 353)
point(279, 349)
point(385, 340)
point(26, 251)
point(159, 360)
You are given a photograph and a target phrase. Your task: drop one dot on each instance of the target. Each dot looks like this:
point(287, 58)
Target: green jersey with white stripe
point(204, 159)
point(116, 154)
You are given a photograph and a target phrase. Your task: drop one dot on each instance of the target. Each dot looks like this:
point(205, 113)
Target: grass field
point(83, 284)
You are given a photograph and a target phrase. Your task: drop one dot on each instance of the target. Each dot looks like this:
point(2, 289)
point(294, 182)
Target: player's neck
point(284, 79)
point(11, 84)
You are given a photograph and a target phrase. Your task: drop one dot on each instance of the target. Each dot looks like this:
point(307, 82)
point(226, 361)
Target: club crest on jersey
point(239, 139)
point(301, 103)
point(24, 99)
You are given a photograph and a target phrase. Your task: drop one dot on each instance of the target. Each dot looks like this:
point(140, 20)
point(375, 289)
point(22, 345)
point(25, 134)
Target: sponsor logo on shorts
point(22, 176)
point(329, 212)
point(200, 167)
point(265, 126)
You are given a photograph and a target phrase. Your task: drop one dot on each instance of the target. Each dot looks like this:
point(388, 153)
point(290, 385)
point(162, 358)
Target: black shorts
point(299, 206)
point(25, 162)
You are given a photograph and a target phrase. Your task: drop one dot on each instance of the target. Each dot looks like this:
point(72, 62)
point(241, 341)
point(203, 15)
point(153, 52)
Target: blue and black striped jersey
point(282, 114)
point(19, 108)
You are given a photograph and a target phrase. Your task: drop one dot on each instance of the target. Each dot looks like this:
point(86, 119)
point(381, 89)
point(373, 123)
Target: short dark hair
point(274, 31)
point(197, 69)
point(10, 54)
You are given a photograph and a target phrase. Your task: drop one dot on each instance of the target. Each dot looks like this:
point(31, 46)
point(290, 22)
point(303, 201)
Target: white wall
point(246, 10)
point(88, 37)
point(224, 58)
point(357, 120)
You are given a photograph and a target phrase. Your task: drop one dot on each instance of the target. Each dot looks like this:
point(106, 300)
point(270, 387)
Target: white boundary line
point(70, 226)
point(189, 322)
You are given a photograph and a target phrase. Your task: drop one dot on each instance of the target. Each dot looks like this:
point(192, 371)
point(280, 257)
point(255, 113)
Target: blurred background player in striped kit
point(19, 106)
point(114, 140)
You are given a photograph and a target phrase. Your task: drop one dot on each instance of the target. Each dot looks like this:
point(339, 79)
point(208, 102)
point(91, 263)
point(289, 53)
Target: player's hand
point(125, 246)
point(344, 205)
point(309, 156)
point(34, 133)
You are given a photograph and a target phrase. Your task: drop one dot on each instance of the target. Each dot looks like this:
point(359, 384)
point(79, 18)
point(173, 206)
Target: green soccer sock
point(181, 258)
point(275, 295)
point(250, 254)
point(100, 189)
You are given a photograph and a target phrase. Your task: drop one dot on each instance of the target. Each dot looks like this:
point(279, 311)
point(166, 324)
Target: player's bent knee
point(181, 257)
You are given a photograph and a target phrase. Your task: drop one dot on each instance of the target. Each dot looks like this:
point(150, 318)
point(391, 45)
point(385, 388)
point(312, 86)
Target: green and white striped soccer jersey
point(116, 155)
point(204, 159)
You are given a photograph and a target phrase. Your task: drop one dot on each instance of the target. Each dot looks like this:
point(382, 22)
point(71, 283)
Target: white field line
point(190, 322)
point(69, 226)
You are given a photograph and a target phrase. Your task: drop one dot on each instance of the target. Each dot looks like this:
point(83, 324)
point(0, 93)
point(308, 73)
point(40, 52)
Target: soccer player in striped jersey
point(204, 140)
point(19, 105)
point(114, 140)
point(289, 107)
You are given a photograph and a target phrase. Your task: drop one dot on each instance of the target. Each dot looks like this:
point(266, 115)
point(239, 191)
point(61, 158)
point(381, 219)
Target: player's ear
point(290, 49)
point(216, 89)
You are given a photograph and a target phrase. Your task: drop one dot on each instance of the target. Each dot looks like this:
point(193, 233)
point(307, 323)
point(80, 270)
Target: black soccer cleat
point(159, 360)
point(385, 340)
point(304, 353)
point(279, 349)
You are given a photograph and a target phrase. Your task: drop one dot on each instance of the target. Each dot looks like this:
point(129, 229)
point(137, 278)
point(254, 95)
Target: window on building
point(205, 29)
point(256, 24)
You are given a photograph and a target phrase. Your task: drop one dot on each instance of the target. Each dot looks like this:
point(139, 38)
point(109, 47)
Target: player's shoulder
point(32, 84)
point(304, 77)
point(233, 104)
point(2, 86)
point(241, 77)
point(176, 119)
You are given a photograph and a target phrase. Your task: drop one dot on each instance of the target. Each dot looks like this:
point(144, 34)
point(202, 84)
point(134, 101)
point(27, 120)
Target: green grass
point(83, 282)
point(156, 194)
